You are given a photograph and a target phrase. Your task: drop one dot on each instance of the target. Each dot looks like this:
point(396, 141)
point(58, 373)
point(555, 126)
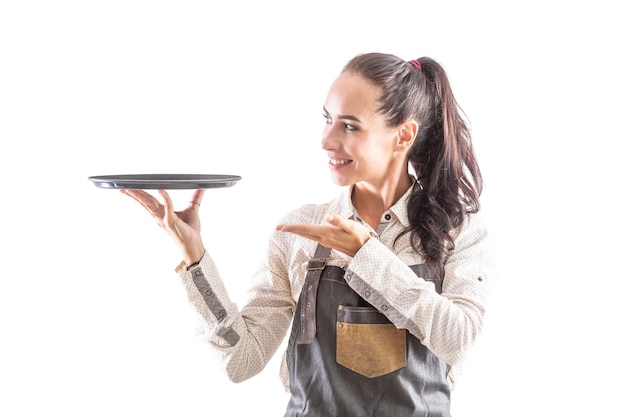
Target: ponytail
point(449, 179)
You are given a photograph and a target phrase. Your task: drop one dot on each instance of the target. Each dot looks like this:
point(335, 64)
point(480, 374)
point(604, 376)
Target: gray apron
point(346, 359)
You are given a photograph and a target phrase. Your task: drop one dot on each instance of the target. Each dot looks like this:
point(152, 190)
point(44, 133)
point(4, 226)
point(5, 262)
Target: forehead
point(351, 94)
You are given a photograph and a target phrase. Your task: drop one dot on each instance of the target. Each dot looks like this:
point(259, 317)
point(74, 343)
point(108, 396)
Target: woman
point(383, 287)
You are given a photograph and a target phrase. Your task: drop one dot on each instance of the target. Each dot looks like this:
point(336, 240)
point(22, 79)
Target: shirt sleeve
point(446, 323)
point(246, 339)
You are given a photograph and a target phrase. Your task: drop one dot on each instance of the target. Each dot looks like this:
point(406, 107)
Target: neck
point(372, 200)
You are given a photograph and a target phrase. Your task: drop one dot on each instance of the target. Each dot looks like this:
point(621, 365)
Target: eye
point(350, 127)
point(326, 118)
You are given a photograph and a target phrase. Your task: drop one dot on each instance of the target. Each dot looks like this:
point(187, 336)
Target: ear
point(407, 131)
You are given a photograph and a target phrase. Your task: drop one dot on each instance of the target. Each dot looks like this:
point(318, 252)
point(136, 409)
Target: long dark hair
point(449, 179)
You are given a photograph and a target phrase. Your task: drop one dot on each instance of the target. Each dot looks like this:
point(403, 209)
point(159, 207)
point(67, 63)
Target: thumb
point(338, 222)
point(332, 219)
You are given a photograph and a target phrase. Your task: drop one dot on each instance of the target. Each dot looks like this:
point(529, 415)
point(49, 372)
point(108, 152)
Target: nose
point(329, 141)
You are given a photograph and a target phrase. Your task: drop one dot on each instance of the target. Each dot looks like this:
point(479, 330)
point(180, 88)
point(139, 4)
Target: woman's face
point(360, 146)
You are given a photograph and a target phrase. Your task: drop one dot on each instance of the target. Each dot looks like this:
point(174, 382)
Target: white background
point(93, 320)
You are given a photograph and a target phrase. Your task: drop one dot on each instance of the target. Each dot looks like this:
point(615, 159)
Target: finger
point(318, 233)
point(350, 226)
point(344, 224)
point(197, 196)
point(151, 204)
point(135, 195)
point(301, 229)
point(315, 238)
point(196, 200)
point(167, 201)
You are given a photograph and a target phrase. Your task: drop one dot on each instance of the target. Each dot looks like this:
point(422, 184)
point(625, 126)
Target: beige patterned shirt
point(446, 323)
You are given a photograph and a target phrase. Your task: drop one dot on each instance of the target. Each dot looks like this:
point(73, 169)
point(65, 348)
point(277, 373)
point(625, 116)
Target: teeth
point(339, 162)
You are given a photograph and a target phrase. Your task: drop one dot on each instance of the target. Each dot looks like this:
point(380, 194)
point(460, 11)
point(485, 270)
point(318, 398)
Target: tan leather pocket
point(368, 343)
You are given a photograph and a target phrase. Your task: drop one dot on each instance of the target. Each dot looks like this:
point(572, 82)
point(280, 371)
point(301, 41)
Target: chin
point(341, 181)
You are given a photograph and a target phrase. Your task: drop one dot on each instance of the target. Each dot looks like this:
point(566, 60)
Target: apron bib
point(345, 358)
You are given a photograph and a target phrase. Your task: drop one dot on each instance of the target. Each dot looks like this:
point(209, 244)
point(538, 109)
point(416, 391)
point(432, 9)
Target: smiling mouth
point(338, 162)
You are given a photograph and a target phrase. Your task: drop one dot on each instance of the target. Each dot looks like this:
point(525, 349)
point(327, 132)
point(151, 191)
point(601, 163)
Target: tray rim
point(164, 181)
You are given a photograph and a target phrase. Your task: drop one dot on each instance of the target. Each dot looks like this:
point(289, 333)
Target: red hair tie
point(416, 64)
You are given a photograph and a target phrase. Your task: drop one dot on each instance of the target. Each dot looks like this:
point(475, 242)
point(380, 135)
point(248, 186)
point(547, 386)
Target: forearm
point(447, 323)
point(247, 339)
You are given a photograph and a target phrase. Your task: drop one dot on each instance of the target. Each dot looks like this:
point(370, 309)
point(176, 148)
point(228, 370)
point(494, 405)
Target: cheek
point(379, 148)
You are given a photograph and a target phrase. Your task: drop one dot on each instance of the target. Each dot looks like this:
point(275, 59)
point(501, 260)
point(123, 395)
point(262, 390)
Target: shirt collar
point(400, 209)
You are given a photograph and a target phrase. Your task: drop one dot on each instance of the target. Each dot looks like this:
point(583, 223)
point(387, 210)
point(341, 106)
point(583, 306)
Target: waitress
point(383, 289)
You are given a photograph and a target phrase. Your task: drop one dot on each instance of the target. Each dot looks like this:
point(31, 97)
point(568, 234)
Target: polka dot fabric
point(447, 322)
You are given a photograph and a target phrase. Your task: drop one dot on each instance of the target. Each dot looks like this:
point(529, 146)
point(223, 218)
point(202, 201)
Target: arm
point(246, 339)
point(447, 323)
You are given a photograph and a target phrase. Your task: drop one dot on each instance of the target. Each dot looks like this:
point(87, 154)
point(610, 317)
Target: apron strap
point(308, 295)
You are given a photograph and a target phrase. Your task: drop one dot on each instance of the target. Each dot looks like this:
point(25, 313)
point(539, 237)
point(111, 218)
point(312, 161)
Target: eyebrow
point(344, 116)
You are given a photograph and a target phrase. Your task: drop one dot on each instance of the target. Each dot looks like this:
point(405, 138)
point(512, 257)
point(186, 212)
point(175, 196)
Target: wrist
point(192, 252)
point(189, 262)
